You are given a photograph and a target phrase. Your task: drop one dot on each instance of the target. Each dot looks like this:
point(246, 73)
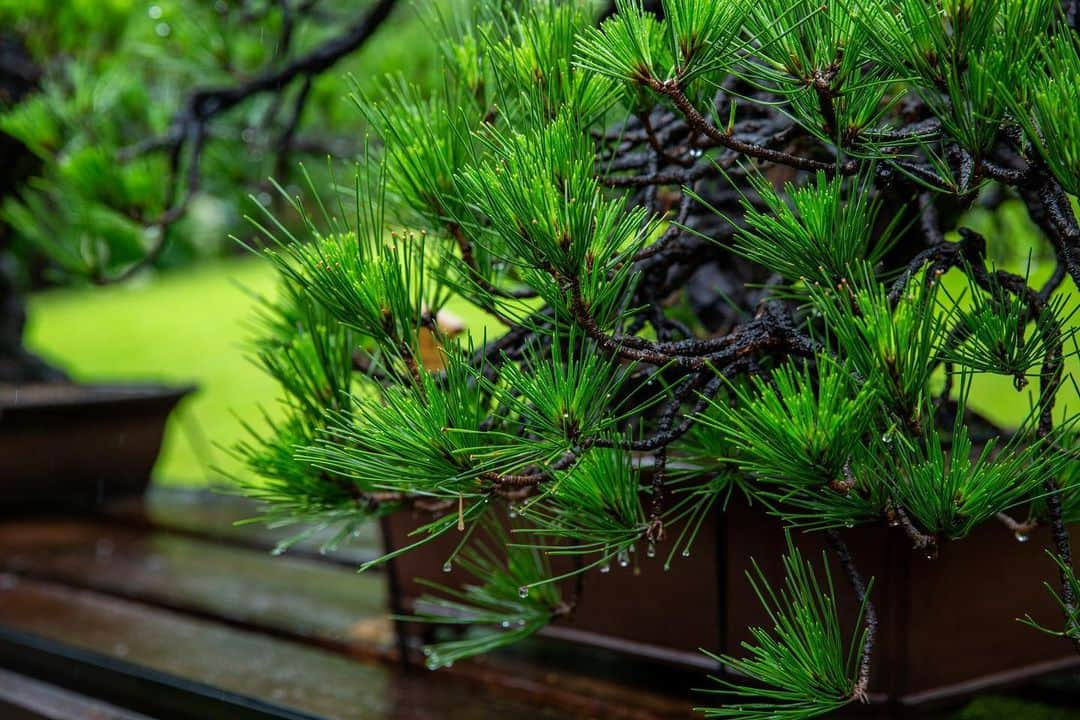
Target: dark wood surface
point(172, 586)
point(22, 698)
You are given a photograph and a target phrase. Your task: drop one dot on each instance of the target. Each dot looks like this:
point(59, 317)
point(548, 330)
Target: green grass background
point(186, 326)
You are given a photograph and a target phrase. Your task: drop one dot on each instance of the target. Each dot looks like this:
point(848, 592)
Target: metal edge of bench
point(128, 685)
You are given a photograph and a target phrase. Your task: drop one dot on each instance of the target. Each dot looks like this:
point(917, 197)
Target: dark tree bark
point(18, 77)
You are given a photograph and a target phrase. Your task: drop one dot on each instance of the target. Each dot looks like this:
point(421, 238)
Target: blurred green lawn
point(189, 326)
point(179, 327)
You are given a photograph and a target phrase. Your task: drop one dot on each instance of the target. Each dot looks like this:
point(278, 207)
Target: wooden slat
point(226, 518)
point(288, 597)
point(252, 665)
point(22, 697)
point(327, 606)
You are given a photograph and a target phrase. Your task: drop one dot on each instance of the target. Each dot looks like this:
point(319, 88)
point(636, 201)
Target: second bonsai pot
point(76, 445)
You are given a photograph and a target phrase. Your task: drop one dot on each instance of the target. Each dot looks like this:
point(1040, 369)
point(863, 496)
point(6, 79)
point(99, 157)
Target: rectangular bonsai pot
point(77, 445)
point(947, 627)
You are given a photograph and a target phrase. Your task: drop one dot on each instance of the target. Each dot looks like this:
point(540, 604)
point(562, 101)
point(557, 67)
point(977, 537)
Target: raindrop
point(650, 550)
point(894, 523)
point(606, 567)
point(686, 552)
point(162, 29)
point(154, 12)
point(623, 558)
point(523, 592)
point(103, 548)
point(1022, 536)
point(929, 556)
point(504, 624)
point(849, 524)
point(447, 567)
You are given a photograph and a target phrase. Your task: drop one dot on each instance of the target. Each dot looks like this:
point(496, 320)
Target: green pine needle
point(496, 610)
point(801, 667)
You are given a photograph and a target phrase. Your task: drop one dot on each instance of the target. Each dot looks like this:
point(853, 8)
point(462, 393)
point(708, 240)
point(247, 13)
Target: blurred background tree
point(136, 135)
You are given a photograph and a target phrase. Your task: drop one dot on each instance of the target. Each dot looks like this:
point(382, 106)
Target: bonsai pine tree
point(724, 248)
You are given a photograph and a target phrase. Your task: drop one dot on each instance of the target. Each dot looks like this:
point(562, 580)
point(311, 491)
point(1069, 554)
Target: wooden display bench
point(166, 609)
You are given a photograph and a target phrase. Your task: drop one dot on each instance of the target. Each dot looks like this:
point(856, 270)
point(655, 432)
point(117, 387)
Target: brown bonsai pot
point(76, 445)
point(948, 627)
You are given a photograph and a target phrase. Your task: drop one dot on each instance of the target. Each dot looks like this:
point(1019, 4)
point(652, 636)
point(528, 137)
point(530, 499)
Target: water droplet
point(849, 524)
point(623, 558)
point(427, 652)
point(894, 523)
point(155, 12)
point(523, 592)
point(162, 29)
point(1022, 536)
point(504, 624)
point(606, 567)
point(447, 567)
point(103, 548)
point(650, 550)
point(513, 511)
point(520, 623)
point(686, 552)
point(887, 438)
point(929, 555)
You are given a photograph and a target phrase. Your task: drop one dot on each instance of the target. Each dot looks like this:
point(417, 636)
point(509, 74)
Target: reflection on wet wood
point(286, 596)
point(226, 518)
point(250, 664)
point(316, 606)
point(22, 698)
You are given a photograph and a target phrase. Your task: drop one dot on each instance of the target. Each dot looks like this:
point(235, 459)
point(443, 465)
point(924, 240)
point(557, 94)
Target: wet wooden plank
point(226, 518)
point(250, 664)
point(324, 605)
point(22, 698)
point(285, 596)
